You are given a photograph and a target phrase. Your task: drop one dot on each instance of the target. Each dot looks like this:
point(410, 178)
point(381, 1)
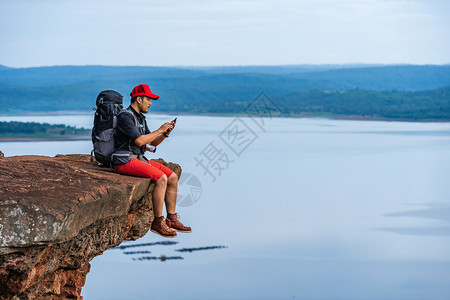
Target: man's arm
point(154, 138)
point(158, 140)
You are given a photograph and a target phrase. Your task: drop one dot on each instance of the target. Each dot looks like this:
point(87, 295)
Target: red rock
point(57, 214)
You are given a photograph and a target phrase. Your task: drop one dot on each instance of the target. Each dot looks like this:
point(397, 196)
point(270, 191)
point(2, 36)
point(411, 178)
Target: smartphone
point(174, 121)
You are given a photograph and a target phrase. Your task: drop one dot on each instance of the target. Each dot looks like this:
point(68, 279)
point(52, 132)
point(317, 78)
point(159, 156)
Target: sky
point(223, 32)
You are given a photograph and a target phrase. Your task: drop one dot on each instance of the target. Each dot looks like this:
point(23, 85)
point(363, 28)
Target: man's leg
point(158, 195)
point(135, 167)
point(171, 202)
point(138, 168)
point(159, 225)
point(171, 193)
point(169, 184)
point(171, 198)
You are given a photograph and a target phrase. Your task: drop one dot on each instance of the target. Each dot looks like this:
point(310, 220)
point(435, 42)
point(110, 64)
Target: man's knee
point(162, 180)
point(173, 179)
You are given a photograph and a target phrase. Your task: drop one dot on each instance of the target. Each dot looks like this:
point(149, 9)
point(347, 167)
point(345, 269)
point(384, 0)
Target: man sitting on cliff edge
point(132, 137)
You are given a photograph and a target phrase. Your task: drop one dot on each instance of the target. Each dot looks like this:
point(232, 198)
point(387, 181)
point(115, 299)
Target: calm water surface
point(307, 208)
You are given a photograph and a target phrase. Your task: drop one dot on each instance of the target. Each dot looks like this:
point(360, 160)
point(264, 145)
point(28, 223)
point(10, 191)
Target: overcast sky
point(223, 32)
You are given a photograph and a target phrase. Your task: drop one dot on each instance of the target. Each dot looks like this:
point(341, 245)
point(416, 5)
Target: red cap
point(143, 90)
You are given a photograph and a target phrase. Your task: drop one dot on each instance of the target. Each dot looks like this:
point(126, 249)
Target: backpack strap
point(136, 122)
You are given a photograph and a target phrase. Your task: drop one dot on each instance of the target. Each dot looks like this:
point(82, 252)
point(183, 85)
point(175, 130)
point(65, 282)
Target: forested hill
point(401, 77)
point(413, 92)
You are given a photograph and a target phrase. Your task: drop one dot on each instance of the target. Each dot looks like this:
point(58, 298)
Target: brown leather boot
point(160, 227)
point(173, 221)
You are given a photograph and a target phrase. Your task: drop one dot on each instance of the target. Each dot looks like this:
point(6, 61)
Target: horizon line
point(234, 66)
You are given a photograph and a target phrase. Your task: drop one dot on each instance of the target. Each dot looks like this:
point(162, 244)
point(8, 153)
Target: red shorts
point(136, 167)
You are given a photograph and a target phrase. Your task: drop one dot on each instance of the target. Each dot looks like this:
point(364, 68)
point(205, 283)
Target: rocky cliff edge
point(58, 213)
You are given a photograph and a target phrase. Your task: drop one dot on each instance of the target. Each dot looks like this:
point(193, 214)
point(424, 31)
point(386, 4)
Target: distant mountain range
point(377, 91)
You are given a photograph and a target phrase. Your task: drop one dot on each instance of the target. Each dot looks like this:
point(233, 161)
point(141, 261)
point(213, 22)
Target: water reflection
point(136, 252)
point(436, 211)
point(164, 243)
point(161, 258)
point(200, 248)
point(439, 212)
point(425, 231)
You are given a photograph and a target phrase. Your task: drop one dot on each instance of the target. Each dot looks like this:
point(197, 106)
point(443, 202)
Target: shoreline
point(44, 139)
point(299, 116)
point(305, 116)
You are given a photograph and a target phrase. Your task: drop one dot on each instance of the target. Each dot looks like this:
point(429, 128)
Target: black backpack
point(109, 104)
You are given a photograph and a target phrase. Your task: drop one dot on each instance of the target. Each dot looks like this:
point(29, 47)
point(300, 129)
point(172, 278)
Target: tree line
point(392, 92)
point(34, 128)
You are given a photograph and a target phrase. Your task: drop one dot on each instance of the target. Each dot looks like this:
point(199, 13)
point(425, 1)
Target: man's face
point(145, 104)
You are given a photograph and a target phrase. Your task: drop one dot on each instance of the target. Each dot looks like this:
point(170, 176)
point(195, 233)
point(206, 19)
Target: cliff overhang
point(57, 214)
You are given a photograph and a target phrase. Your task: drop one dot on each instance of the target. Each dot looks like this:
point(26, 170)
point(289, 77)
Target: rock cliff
point(57, 214)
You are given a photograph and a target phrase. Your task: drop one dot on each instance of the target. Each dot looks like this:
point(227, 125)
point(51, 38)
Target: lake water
point(306, 209)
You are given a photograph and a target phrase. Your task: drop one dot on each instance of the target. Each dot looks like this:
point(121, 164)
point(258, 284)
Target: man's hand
point(168, 126)
point(153, 138)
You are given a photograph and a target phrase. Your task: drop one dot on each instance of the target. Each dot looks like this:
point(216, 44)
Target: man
point(132, 137)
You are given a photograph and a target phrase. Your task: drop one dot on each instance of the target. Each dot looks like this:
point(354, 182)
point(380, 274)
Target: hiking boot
point(173, 221)
point(160, 227)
